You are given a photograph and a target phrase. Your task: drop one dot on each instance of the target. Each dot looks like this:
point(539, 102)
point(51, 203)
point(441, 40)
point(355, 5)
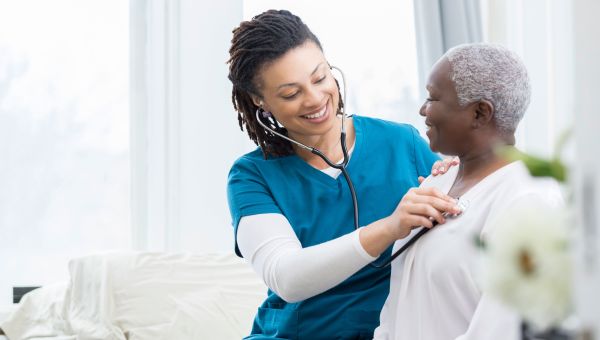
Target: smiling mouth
point(317, 114)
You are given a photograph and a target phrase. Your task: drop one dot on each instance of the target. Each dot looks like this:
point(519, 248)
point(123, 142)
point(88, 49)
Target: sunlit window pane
point(64, 135)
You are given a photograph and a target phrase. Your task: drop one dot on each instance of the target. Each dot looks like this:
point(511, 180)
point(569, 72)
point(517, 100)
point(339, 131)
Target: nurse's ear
point(257, 101)
point(483, 113)
point(260, 103)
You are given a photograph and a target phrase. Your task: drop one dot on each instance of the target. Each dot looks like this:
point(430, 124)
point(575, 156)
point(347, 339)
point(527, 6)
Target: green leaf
point(537, 166)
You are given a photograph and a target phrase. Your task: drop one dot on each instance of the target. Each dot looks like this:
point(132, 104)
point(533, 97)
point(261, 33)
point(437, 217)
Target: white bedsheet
point(137, 296)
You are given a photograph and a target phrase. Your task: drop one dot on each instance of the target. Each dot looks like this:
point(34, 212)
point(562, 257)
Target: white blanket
point(137, 296)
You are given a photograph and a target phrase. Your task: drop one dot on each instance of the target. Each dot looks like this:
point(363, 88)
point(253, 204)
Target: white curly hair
point(494, 73)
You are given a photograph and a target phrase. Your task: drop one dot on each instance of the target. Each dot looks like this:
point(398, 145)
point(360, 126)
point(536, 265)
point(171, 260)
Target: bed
point(135, 296)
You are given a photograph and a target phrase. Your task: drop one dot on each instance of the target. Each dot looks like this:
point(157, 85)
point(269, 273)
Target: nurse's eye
point(290, 96)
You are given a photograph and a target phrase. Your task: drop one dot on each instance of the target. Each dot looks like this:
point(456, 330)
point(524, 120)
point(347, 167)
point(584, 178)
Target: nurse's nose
point(313, 97)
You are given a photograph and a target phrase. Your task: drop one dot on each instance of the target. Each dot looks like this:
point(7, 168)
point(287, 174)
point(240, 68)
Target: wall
point(587, 179)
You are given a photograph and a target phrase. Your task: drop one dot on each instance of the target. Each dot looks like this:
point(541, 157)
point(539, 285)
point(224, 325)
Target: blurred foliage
point(538, 166)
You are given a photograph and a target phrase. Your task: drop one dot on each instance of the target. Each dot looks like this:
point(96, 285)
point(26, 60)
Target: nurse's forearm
point(303, 273)
point(293, 272)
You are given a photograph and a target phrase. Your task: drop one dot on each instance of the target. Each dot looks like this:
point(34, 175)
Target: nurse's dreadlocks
point(255, 43)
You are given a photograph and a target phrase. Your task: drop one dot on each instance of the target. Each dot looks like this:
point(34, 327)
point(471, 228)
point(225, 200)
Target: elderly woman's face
point(447, 122)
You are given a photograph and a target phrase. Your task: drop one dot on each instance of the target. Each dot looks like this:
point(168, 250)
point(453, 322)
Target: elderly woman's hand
point(442, 166)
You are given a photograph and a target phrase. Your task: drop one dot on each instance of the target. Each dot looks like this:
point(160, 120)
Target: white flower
point(527, 264)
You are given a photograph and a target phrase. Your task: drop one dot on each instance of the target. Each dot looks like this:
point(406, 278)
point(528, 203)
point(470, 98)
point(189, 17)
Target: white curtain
point(442, 24)
point(540, 31)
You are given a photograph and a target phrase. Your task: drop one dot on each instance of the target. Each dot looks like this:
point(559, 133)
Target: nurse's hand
point(419, 207)
point(414, 210)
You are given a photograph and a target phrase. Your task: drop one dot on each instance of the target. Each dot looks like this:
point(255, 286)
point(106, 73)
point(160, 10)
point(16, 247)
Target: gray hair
point(494, 73)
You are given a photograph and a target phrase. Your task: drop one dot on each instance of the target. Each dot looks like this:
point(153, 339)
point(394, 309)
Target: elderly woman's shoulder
point(520, 183)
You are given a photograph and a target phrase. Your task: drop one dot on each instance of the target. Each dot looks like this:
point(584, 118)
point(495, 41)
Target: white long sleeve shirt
point(434, 294)
point(274, 251)
point(269, 243)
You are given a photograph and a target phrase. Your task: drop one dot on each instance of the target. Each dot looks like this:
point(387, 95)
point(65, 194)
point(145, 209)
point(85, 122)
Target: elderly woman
point(478, 93)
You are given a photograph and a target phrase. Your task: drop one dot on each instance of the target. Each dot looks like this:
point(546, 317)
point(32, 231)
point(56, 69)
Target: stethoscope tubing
point(342, 167)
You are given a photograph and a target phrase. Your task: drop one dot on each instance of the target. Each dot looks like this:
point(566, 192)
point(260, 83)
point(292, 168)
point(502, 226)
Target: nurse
point(292, 214)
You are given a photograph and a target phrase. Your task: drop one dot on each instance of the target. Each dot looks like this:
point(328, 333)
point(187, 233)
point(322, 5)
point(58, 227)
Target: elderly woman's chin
point(433, 143)
point(442, 148)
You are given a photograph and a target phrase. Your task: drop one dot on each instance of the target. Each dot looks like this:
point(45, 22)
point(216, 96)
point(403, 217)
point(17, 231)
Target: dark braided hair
point(255, 43)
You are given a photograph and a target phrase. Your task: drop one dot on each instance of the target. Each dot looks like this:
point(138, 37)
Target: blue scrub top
point(387, 159)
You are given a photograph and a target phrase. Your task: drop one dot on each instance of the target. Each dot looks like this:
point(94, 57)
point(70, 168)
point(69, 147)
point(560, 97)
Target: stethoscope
point(342, 167)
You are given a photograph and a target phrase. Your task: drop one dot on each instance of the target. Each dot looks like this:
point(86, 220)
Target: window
point(64, 136)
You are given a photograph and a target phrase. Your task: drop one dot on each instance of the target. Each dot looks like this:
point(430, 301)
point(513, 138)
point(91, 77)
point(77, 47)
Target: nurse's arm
point(295, 273)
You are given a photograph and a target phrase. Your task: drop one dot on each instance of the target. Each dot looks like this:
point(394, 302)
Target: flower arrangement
point(527, 265)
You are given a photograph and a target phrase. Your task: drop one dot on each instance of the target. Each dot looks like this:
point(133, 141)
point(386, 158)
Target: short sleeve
point(247, 194)
point(424, 157)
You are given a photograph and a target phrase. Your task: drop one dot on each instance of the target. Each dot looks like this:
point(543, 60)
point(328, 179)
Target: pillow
point(177, 296)
point(131, 295)
point(41, 315)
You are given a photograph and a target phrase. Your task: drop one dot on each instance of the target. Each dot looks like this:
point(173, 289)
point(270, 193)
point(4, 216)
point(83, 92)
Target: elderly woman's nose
point(422, 110)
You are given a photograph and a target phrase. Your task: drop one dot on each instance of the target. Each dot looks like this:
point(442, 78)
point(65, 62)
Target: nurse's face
point(300, 91)
point(448, 123)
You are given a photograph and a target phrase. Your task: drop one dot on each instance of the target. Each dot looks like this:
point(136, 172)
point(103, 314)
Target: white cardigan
point(434, 292)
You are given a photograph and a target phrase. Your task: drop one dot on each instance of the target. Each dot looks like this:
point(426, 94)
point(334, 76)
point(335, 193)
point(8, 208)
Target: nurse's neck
point(328, 143)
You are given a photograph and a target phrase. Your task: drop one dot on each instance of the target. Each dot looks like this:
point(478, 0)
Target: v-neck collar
point(481, 185)
point(356, 155)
